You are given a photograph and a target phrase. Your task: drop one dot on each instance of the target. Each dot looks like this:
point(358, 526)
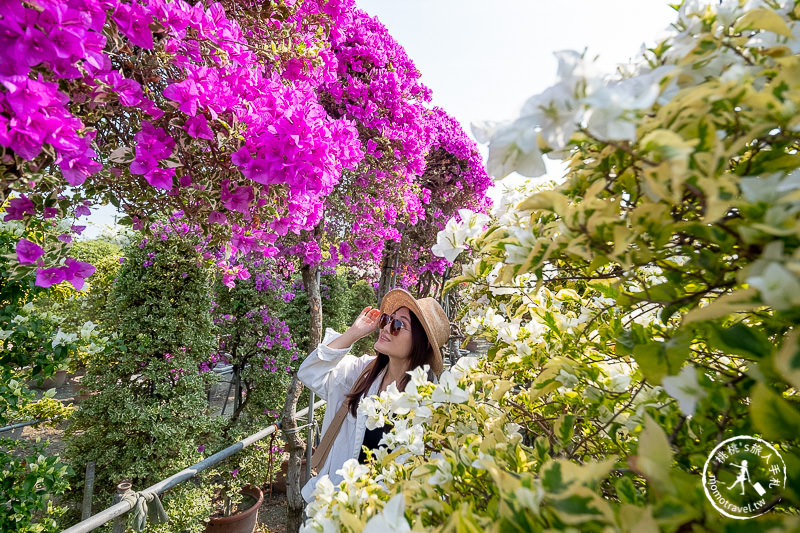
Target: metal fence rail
point(119, 509)
point(18, 425)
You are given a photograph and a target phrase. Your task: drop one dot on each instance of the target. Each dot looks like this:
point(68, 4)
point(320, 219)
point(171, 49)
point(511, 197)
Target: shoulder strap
point(325, 445)
point(321, 453)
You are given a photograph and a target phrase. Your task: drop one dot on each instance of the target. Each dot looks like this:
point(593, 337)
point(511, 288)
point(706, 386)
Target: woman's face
point(400, 346)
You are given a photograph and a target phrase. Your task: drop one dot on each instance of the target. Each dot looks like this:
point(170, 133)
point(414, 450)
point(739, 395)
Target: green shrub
point(28, 480)
point(89, 304)
point(32, 347)
point(151, 404)
point(256, 342)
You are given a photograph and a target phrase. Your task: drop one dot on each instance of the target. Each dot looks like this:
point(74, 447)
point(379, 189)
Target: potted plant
point(56, 381)
point(236, 485)
point(239, 511)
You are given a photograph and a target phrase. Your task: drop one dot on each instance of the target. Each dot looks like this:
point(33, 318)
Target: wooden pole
point(88, 490)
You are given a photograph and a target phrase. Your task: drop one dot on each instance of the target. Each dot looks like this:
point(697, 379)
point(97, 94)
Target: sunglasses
point(395, 324)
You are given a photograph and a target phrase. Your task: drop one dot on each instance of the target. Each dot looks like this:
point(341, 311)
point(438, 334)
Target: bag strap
point(325, 445)
point(321, 453)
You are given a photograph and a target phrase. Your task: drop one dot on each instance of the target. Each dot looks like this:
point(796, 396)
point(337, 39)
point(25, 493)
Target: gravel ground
point(272, 515)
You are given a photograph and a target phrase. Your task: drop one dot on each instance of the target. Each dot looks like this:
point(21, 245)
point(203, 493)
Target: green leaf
point(581, 506)
point(659, 359)
point(565, 429)
point(739, 339)
point(665, 292)
point(739, 301)
point(763, 19)
point(626, 492)
point(787, 360)
point(638, 519)
point(552, 479)
point(541, 449)
point(654, 457)
point(772, 415)
point(670, 510)
point(576, 505)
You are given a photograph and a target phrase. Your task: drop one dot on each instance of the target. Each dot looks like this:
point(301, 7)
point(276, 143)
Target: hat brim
point(397, 298)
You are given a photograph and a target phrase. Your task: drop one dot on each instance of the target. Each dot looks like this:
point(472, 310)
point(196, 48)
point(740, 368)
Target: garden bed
point(271, 515)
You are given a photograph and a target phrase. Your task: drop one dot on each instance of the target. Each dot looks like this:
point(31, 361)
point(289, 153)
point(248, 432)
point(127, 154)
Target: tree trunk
point(295, 446)
point(311, 282)
point(388, 271)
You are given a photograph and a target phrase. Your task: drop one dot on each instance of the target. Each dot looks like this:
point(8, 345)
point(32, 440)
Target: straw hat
point(429, 313)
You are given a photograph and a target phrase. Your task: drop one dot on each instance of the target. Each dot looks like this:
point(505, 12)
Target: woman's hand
point(365, 323)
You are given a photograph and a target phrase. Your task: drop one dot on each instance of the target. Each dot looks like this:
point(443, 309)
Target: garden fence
point(21, 425)
point(124, 506)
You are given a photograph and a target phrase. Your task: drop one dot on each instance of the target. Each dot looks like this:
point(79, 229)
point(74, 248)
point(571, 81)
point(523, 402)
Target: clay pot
point(279, 485)
point(82, 394)
point(242, 522)
point(56, 381)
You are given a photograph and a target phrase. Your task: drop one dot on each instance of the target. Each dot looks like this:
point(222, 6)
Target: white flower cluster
point(776, 275)
point(63, 339)
point(409, 412)
point(454, 238)
point(581, 97)
point(117, 234)
point(408, 432)
point(14, 228)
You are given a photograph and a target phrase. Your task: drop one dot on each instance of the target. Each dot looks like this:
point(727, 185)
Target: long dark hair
point(421, 353)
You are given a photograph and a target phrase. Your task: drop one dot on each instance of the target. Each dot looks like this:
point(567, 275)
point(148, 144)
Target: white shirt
point(331, 373)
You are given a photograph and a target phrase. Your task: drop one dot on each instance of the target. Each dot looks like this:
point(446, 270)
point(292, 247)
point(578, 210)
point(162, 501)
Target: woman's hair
point(421, 353)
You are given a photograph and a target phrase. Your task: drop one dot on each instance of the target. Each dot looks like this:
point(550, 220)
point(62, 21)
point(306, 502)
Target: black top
point(371, 439)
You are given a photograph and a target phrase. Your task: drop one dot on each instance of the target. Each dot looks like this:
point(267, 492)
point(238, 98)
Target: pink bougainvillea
point(259, 128)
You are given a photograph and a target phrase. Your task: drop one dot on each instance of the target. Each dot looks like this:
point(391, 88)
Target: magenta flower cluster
point(213, 360)
point(273, 278)
point(377, 86)
point(264, 125)
point(276, 333)
point(72, 271)
point(57, 65)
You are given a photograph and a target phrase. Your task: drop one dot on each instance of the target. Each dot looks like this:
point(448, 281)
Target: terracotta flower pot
point(58, 380)
point(243, 522)
point(83, 393)
point(279, 485)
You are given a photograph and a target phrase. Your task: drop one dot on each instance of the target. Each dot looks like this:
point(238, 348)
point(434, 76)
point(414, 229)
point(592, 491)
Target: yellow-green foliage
point(46, 408)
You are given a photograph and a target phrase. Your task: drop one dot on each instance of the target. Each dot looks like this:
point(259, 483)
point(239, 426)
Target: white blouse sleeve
point(327, 369)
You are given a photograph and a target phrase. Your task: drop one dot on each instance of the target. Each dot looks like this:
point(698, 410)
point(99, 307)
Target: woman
point(410, 334)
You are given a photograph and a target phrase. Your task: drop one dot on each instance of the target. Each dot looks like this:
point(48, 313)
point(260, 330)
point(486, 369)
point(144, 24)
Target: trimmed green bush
point(151, 404)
